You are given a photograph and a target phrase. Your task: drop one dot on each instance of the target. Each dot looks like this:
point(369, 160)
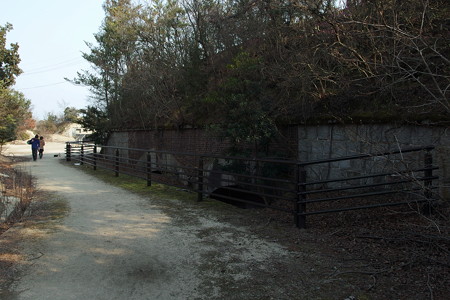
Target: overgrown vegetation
point(245, 67)
point(16, 193)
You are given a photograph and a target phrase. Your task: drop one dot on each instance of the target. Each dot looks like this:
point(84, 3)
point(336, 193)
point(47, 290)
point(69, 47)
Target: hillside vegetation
point(243, 68)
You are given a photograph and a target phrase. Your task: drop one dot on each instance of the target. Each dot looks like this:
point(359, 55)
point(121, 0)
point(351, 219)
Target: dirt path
point(110, 244)
point(86, 239)
point(107, 247)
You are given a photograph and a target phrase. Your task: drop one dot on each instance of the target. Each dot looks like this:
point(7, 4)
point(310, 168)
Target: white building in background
point(77, 132)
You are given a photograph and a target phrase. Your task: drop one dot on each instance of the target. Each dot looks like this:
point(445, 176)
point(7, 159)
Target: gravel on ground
point(83, 238)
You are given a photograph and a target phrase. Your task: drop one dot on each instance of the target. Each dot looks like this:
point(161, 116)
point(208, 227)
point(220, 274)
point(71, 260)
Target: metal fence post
point(68, 152)
point(95, 157)
point(149, 169)
point(300, 206)
point(200, 179)
point(82, 154)
point(117, 163)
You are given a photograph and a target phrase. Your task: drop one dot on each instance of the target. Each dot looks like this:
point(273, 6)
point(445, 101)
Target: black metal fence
point(402, 177)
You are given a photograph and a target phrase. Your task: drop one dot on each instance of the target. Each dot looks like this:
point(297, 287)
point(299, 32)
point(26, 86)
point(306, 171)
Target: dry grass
point(16, 183)
point(13, 183)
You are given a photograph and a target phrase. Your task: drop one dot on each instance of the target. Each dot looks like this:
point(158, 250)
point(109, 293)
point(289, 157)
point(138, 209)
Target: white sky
point(51, 35)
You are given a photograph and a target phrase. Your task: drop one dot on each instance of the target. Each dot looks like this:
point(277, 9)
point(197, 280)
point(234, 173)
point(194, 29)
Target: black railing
point(299, 188)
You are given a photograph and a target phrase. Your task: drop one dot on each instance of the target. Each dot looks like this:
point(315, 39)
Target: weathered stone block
point(323, 132)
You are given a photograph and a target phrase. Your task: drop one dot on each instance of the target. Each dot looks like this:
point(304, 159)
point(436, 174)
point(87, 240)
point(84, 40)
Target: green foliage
point(245, 63)
point(21, 135)
point(14, 111)
point(246, 122)
point(96, 120)
point(9, 59)
point(54, 123)
point(111, 57)
point(7, 131)
point(71, 114)
point(14, 108)
point(49, 125)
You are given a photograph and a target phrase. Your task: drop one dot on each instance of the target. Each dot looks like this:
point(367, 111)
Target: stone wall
point(307, 143)
point(325, 141)
point(331, 141)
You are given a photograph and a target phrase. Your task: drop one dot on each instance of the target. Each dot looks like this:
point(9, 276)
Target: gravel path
point(112, 244)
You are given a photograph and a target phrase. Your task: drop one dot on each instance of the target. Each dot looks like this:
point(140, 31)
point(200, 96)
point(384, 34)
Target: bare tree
point(398, 49)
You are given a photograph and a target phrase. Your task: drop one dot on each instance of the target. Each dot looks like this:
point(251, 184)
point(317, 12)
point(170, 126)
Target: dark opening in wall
point(238, 196)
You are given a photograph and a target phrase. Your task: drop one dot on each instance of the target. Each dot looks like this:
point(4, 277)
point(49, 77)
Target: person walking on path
point(35, 143)
point(41, 147)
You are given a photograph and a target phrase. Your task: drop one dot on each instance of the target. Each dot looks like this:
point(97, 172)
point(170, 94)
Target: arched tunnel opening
point(238, 196)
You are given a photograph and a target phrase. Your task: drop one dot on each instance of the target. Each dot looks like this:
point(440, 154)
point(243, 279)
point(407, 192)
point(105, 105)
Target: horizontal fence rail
point(402, 177)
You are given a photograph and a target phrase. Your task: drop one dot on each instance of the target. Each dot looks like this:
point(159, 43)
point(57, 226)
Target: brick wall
point(197, 141)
